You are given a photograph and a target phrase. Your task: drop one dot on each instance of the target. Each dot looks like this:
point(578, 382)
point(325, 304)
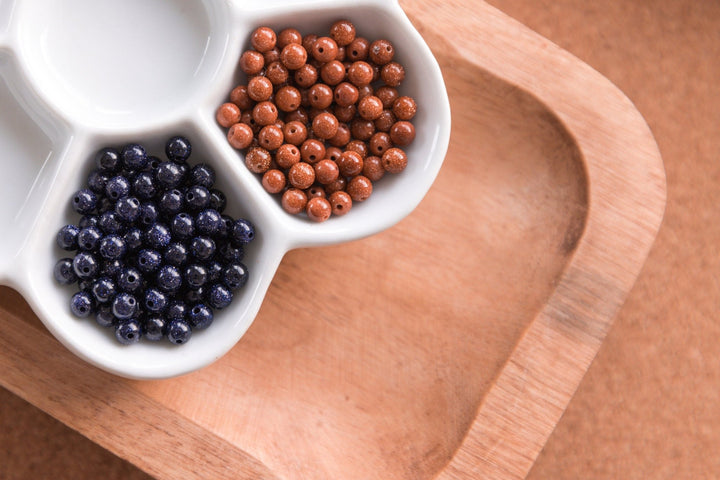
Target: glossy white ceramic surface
point(78, 75)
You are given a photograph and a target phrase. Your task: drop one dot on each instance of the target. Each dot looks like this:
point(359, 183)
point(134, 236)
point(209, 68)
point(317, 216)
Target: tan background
point(649, 406)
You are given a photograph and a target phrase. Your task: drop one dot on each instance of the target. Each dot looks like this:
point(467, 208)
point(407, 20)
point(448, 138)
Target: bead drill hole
point(86, 270)
point(131, 279)
point(131, 301)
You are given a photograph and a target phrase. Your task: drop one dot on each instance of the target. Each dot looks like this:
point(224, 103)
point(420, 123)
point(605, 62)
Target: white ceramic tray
point(79, 75)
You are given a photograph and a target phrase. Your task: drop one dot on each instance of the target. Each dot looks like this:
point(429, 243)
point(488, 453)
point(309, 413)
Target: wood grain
point(458, 356)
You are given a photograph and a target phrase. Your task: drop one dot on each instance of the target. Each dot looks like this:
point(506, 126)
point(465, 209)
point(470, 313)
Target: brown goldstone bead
point(270, 137)
point(293, 56)
point(260, 88)
point(340, 202)
point(379, 143)
point(251, 62)
point(332, 72)
point(312, 150)
point(320, 96)
point(402, 133)
point(373, 168)
point(359, 188)
point(293, 200)
point(345, 94)
point(306, 76)
point(299, 115)
point(308, 41)
point(272, 56)
point(288, 98)
point(392, 74)
point(381, 52)
point(394, 160)
point(385, 121)
point(295, 132)
point(325, 125)
point(247, 119)
point(288, 36)
point(277, 73)
point(333, 153)
point(324, 49)
point(370, 107)
point(315, 191)
point(387, 96)
point(301, 175)
point(350, 163)
point(342, 137)
point(360, 73)
point(273, 181)
point(404, 108)
point(287, 155)
point(340, 57)
point(357, 146)
point(314, 112)
point(263, 39)
point(240, 136)
point(365, 91)
point(362, 129)
point(228, 114)
point(345, 114)
point(257, 160)
point(343, 32)
point(265, 113)
point(239, 96)
point(318, 209)
point(326, 171)
point(336, 186)
point(357, 49)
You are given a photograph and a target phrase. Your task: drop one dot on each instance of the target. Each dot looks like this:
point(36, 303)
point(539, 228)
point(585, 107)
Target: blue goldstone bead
point(133, 239)
point(152, 164)
point(215, 270)
point(111, 268)
point(134, 157)
point(169, 175)
point(84, 201)
point(124, 306)
point(200, 316)
point(176, 254)
point(112, 246)
point(155, 300)
point(231, 254)
point(208, 222)
point(104, 316)
point(154, 328)
point(110, 222)
point(202, 174)
point(182, 226)
point(88, 238)
point(88, 221)
point(97, 180)
point(179, 332)
point(148, 214)
point(219, 296)
point(81, 304)
point(103, 289)
point(235, 276)
point(168, 278)
point(193, 296)
point(143, 186)
point(243, 231)
point(177, 309)
point(148, 260)
point(128, 209)
point(218, 201)
point(129, 280)
point(178, 149)
point(158, 236)
point(67, 237)
point(128, 332)
point(108, 160)
point(197, 197)
point(171, 202)
point(195, 275)
point(64, 273)
point(117, 187)
point(202, 248)
point(85, 265)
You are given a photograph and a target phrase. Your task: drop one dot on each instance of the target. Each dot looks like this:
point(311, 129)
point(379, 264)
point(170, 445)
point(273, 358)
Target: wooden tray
point(446, 347)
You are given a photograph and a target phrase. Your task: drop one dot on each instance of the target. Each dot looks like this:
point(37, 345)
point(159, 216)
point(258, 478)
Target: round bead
point(179, 332)
point(362, 129)
point(288, 98)
point(394, 160)
point(243, 231)
point(320, 96)
point(265, 113)
point(239, 96)
point(379, 143)
point(240, 136)
point(381, 52)
point(88, 238)
point(315, 191)
point(336, 186)
point(345, 94)
point(370, 107)
point(251, 62)
point(293, 201)
point(392, 74)
point(258, 160)
point(332, 72)
point(219, 296)
point(318, 209)
point(387, 96)
point(202, 247)
point(148, 260)
point(273, 181)
point(295, 132)
point(277, 73)
point(64, 273)
point(81, 304)
point(85, 265)
point(325, 125)
point(324, 49)
point(108, 160)
point(133, 156)
point(176, 254)
point(287, 155)
point(342, 137)
point(197, 198)
point(343, 32)
point(312, 150)
point(360, 73)
point(385, 121)
point(299, 115)
point(306, 76)
point(85, 200)
point(259, 88)
point(155, 300)
point(154, 328)
point(373, 168)
point(365, 91)
point(143, 186)
point(404, 108)
point(345, 114)
point(308, 40)
point(326, 171)
point(293, 56)
point(350, 163)
point(235, 276)
point(178, 149)
point(270, 137)
point(272, 55)
point(200, 316)
point(263, 39)
point(359, 188)
point(333, 153)
point(128, 332)
point(124, 306)
point(288, 36)
point(358, 49)
point(301, 175)
point(402, 133)
point(357, 146)
point(67, 237)
point(112, 247)
point(340, 202)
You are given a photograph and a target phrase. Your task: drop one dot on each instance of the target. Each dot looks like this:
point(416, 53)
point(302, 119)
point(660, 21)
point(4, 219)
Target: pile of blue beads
point(154, 255)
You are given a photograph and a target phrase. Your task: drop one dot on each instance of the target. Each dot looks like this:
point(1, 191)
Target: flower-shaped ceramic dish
point(83, 74)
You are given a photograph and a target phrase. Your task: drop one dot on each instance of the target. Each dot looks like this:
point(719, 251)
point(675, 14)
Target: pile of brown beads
point(320, 118)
